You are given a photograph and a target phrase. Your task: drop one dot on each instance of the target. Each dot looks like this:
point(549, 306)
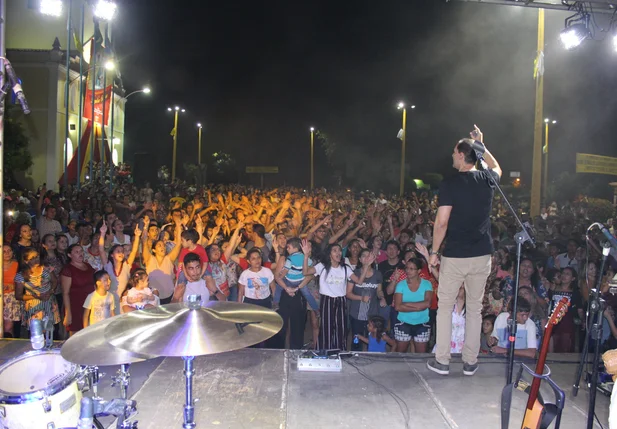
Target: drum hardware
point(122, 379)
point(191, 329)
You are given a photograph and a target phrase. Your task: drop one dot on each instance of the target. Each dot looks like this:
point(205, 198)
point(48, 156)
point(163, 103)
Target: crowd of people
point(343, 269)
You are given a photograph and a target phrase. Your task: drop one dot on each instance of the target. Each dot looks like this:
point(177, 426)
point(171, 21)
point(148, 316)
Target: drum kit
point(44, 388)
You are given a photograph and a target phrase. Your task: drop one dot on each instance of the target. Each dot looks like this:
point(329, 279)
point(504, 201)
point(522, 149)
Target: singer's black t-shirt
point(469, 228)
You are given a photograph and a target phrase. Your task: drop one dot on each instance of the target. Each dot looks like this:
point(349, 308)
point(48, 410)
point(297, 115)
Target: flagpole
point(93, 131)
point(536, 177)
point(81, 96)
point(113, 102)
point(66, 93)
point(103, 134)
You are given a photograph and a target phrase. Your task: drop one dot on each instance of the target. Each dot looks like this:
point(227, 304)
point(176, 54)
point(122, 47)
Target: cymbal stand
point(189, 406)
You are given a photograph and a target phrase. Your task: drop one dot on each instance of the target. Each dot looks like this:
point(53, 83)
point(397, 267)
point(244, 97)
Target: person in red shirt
point(189, 240)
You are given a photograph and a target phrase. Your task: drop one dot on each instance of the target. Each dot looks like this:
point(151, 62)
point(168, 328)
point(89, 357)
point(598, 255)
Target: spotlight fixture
point(51, 7)
point(574, 35)
point(105, 10)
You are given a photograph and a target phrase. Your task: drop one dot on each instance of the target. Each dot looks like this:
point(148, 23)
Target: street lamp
point(145, 90)
point(312, 169)
point(105, 10)
point(199, 127)
point(174, 133)
point(547, 121)
point(51, 7)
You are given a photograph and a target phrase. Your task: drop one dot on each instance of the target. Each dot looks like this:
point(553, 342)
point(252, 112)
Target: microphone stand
point(593, 331)
point(521, 237)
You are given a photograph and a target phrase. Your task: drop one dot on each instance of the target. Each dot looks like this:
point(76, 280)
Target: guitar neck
point(535, 384)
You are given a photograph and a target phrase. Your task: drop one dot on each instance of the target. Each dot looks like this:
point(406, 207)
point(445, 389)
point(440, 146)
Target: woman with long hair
point(160, 264)
point(55, 261)
point(564, 333)
point(588, 279)
point(34, 285)
point(62, 245)
point(21, 240)
point(528, 276)
point(333, 278)
point(365, 291)
point(12, 307)
point(412, 299)
point(77, 279)
point(117, 265)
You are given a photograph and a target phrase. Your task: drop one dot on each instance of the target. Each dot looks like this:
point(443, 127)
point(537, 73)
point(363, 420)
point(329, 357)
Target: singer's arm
point(492, 163)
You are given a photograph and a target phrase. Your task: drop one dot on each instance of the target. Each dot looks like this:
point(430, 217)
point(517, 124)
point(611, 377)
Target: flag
point(545, 149)
point(173, 132)
point(538, 65)
point(400, 134)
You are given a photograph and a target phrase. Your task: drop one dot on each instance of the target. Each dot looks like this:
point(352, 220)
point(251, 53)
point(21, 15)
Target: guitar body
point(534, 413)
point(533, 417)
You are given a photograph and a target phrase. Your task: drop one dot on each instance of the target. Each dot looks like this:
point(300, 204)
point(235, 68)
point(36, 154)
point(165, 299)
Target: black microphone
point(86, 414)
point(607, 233)
point(36, 334)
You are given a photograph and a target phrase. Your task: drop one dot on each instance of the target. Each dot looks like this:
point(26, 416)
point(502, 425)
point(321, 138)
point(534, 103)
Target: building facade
point(34, 44)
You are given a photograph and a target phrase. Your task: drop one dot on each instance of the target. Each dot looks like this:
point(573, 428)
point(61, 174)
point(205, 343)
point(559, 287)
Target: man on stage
point(463, 221)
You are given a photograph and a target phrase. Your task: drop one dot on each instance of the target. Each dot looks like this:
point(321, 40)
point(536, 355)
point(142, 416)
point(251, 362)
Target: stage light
point(198, 125)
point(105, 9)
point(312, 129)
point(109, 65)
point(401, 105)
point(51, 7)
point(573, 36)
point(183, 110)
point(169, 109)
point(413, 106)
point(146, 90)
point(177, 108)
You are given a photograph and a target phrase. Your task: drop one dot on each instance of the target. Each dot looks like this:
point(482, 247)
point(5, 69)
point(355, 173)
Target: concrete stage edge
point(258, 388)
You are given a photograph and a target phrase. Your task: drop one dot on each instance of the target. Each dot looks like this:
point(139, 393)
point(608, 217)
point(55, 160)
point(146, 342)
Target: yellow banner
point(262, 170)
point(586, 163)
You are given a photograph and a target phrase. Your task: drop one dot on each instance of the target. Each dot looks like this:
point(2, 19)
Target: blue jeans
point(306, 293)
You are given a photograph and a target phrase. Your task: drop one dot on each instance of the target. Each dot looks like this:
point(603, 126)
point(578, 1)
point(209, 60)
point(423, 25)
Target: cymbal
point(89, 347)
point(190, 329)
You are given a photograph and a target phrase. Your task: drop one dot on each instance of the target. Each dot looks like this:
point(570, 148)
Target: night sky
point(258, 75)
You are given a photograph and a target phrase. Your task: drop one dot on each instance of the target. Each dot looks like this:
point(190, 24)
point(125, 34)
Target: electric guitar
point(535, 410)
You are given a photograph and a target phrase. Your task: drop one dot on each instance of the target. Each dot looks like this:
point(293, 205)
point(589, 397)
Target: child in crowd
point(525, 344)
point(488, 324)
point(293, 276)
point(140, 296)
point(377, 337)
point(99, 305)
point(495, 298)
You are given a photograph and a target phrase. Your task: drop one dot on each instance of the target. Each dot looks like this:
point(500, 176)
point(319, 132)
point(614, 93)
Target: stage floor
point(256, 388)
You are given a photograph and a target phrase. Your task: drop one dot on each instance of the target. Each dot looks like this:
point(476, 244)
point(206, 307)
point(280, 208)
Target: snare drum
point(38, 390)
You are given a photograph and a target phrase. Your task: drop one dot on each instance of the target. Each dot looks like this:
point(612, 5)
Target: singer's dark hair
point(464, 147)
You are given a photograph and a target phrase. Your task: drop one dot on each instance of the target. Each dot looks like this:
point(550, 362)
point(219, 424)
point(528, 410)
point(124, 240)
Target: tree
point(432, 179)
point(196, 173)
point(222, 168)
point(17, 155)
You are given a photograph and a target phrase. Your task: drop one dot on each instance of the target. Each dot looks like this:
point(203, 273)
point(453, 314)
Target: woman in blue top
point(412, 299)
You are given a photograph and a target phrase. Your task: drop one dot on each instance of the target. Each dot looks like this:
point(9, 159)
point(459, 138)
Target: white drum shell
point(38, 388)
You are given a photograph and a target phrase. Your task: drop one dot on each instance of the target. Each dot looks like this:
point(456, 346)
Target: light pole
point(312, 151)
point(547, 121)
point(174, 133)
point(403, 136)
point(199, 143)
point(145, 90)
